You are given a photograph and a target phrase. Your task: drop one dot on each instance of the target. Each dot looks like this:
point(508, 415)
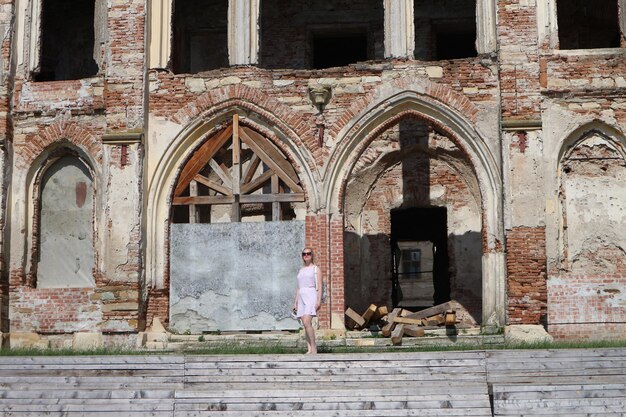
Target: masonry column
point(243, 32)
point(120, 289)
point(399, 29)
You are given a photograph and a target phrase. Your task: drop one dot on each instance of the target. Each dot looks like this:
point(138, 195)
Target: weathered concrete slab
point(234, 276)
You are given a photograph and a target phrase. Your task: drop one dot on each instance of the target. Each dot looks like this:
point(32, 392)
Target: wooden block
point(404, 313)
point(386, 331)
point(438, 309)
point(369, 312)
point(434, 320)
point(355, 317)
point(380, 313)
point(450, 318)
point(406, 320)
point(413, 330)
point(396, 335)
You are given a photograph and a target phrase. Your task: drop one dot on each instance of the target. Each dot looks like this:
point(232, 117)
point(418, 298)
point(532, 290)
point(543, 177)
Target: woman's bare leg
point(309, 334)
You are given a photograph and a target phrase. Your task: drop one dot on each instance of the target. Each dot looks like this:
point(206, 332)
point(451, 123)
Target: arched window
point(237, 175)
point(66, 249)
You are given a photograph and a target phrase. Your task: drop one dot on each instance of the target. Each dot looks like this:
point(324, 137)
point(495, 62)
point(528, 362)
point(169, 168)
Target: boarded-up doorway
point(236, 234)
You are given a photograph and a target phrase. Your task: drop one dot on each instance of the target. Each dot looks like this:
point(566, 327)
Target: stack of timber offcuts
point(401, 322)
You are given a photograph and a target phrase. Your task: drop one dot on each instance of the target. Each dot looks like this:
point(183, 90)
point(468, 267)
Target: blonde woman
point(308, 297)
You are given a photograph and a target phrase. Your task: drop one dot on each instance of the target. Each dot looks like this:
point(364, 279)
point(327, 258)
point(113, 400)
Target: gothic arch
point(162, 182)
point(388, 110)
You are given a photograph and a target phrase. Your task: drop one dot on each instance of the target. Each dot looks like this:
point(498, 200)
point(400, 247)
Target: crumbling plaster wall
point(584, 208)
point(99, 118)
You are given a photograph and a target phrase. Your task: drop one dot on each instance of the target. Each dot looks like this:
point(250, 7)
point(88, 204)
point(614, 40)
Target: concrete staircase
point(462, 383)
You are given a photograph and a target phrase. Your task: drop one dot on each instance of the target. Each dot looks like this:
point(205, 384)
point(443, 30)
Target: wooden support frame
point(256, 173)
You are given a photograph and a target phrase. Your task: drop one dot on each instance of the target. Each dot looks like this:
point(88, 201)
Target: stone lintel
point(521, 124)
point(123, 138)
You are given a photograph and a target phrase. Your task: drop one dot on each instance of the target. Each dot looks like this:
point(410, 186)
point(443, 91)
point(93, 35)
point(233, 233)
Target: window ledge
point(589, 52)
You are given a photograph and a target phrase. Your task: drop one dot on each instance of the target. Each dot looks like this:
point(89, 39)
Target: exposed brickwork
point(526, 272)
point(54, 310)
point(519, 59)
point(124, 85)
point(32, 145)
point(587, 308)
point(316, 237)
point(158, 306)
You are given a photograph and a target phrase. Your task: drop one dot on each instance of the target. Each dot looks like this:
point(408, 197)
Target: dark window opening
point(587, 24)
point(316, 34)
point(200, 35)
point(333, 49)
point(455, 40)
point(67, 40)
point(445, 29)
point(419, 245)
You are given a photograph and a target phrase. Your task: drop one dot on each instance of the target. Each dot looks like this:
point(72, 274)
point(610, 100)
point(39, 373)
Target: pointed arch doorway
point(236, 231)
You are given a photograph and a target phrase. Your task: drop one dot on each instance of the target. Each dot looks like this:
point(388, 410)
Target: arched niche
point(65, 232)
point(592, 197)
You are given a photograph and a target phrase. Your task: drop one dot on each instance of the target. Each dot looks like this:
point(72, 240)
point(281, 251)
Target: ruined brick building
point(170, 158)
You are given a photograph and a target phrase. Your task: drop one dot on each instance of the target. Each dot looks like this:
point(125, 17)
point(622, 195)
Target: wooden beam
point(193, 192)
point(203, 199)
point(221, 172)
point(369, 313)
point(413, 330)
point(405, 320)
point(396, 335)
point(257, 183)
point(386, 330)
point(272, 157)
point(270, 198)
point(438, 309)
point(212, 184)
point(200, 159)
point(380, 312)
point(236, 168)
point(235, 210)
point(253, 165)
point(355, 317)
point(275, 204)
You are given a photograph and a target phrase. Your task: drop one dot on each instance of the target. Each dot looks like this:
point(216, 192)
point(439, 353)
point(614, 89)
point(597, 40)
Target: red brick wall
point(317, 234)
point(526, 275)
point(54, 310)
point(583, 307)
point(519, 59)
point(158, 305)
point(123, 92)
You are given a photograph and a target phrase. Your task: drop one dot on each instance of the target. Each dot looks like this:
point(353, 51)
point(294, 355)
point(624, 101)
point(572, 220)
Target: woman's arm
point(295, 301)
point(320, 289)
